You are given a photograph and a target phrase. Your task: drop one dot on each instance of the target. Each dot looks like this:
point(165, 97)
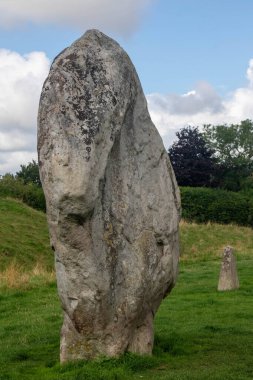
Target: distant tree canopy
point(219, 156)
point(191, 158)
point(233, 146)
point(30, 173)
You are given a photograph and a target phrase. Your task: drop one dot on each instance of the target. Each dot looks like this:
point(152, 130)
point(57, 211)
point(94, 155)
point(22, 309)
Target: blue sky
point(194, 59)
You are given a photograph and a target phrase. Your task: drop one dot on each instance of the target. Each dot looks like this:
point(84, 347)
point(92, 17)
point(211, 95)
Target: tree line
point(219, 156)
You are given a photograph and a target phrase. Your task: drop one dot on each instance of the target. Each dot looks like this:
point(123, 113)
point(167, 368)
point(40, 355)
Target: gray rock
point(112, 200)
point(228, 279)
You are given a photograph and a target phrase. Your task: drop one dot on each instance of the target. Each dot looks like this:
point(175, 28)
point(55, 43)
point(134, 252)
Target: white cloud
point(200, 106)
point(250, 72)
point(21, 80)
point(109, 15)
point(10, 163)
point(203, 98)
point(17, 139)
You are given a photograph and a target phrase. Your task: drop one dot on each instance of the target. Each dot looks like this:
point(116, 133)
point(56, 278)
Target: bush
point(203, 205)
point(29, 193)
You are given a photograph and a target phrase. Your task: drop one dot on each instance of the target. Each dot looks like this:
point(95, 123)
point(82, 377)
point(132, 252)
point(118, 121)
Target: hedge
point(199, 204)
point(203, 205)
point(29, 193)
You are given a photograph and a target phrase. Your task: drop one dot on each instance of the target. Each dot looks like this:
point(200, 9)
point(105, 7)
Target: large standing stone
point(112, 200)
point(228, 273)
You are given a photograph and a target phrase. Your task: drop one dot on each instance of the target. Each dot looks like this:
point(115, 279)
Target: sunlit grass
point(24, 236)
point(207, 241)
point(16, 277)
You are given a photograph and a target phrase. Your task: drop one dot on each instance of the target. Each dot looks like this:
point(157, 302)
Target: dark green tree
point(192, 159)
point(29, 173)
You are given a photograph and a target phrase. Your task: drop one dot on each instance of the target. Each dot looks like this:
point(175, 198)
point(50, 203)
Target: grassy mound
point(207, 241)
point(25, 253)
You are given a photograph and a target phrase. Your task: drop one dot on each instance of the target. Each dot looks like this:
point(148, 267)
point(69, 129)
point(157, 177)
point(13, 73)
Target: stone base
point(75, 346)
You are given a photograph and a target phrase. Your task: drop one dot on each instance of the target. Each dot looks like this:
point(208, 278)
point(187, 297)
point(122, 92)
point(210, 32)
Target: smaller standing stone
point(228, 274)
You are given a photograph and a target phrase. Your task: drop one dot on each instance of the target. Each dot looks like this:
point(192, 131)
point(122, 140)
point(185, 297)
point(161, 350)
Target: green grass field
point(199, 333)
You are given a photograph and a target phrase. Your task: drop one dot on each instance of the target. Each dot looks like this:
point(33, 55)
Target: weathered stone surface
point(112, 200)
point(228, 273)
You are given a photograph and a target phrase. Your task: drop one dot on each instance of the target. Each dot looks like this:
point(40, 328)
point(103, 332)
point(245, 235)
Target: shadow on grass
point(110, 369)
point(125, 366)
point(172, 344)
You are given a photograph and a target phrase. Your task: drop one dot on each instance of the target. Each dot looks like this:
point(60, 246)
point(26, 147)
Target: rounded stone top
point(96, 37)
